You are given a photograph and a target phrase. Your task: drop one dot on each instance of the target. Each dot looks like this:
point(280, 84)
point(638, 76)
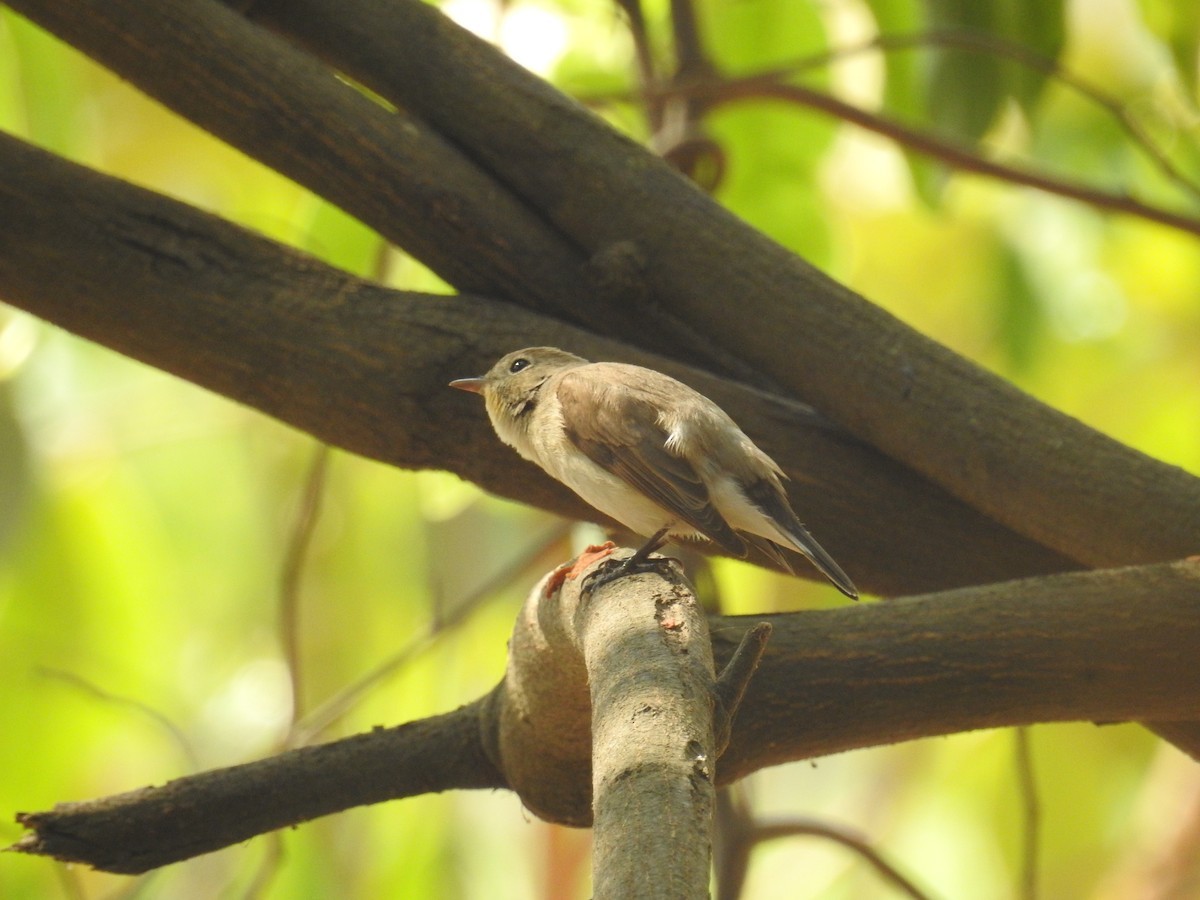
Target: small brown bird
point(647, 450)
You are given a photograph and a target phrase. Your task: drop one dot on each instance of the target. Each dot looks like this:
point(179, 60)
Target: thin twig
point(340, 704)
point(159, 718)
point(770, 830)
point(1031, 814)
point(770, 83)
point(947, 152)
point(293, 570)
point(975, 41)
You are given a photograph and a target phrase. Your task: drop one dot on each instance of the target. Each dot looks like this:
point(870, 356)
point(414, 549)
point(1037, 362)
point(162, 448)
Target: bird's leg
point(618, 569)
point(643, 552)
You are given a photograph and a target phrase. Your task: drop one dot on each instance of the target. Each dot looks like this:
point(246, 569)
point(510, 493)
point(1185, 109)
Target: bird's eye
point(519, 364)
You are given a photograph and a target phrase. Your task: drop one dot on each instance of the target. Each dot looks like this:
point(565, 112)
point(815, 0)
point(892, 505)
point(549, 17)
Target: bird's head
point(511, 387)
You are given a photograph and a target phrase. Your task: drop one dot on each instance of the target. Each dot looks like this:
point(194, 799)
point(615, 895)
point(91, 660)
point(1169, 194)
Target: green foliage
point(144, 523)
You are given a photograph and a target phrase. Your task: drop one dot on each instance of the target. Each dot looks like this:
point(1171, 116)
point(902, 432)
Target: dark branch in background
point(1024, 651)
point(365, 368)
point(1110, 645)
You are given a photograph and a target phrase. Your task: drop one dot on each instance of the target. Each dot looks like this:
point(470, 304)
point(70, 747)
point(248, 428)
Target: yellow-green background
point(144, 522)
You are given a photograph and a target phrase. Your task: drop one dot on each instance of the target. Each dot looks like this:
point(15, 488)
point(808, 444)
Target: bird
point(647, 450)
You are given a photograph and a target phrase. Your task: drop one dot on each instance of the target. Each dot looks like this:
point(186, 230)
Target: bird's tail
point(805, 543)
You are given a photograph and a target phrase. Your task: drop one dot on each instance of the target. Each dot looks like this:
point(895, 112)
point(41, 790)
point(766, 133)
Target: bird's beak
point(474, 385)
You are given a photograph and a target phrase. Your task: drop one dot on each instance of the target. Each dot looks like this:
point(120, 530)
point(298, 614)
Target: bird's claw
point(612, 569)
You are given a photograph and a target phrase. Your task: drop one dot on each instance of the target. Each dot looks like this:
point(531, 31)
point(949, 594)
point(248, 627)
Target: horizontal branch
point(365, 368)
point(1111, 645)
point(1107, 646)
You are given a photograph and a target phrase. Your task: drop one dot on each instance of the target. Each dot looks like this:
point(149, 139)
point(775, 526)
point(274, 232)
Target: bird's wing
point(617, 429)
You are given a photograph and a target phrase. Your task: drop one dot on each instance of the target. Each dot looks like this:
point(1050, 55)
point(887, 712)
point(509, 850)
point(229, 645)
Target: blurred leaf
point(906, 70)
point(773, 150)
point(1036, 25)
point(903, 91)
point(333, 236)
point(773, 156)
point(966, 87)
point(46, 82)
point(1179, 25)
point(744, 37)
point(1020, 324)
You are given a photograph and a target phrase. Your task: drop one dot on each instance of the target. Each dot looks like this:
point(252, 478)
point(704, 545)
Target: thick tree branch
point(385, 167)
point(365, 368)
point(1105, 646)
point(1039, 471)
point(615, 686)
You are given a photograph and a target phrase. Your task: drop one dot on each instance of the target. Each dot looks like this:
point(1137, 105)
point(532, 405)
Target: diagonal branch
point(383, 166)
point(1037, 470)
point(365, 368)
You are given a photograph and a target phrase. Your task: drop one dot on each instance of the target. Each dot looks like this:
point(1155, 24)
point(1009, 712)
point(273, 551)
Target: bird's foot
point(613, 569)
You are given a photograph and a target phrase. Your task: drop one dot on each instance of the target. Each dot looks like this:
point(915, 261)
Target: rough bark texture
point(613, 689)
